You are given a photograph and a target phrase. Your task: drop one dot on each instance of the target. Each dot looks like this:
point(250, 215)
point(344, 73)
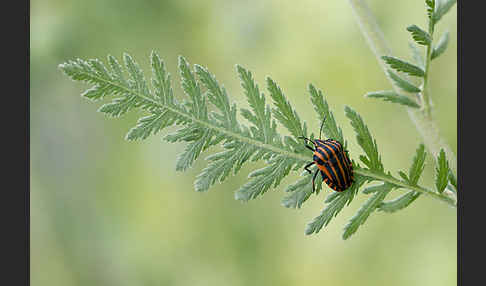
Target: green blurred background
point(105, 211)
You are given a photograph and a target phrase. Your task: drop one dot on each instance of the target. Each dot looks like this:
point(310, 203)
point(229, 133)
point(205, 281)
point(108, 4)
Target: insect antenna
point(307, 139)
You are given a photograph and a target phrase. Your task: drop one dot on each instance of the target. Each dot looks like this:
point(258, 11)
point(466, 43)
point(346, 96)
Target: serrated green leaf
point(119, 106)
point(89, 71)
point(452, 179)
point(222, 163)
point(161, 81)
point(404, 176)
point(331, 197)
point(372, 189)
point(193, 150)
point(300, 191)
point(403, 84)
point(149, 125)
point(366, 209)
point(430, 7)
point(451, 188)
point(261, 116)
point(199, 126)
point(330, 127)
point(441, 46)
point(418, 165)
point(403, 66)
point(391, 96)
point(263, 179)
point(192, 89)
point(116, 71)
point(442, 172)
point(283, 111)
point(218, 97)
point(441, 8)
point(136, 77)
point(365, 140)
point(296, 199)
point(335, 203)
point(399, 203)
point(420, 36)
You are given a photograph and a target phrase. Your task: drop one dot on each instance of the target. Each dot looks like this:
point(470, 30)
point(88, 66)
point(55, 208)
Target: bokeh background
point(105, 211)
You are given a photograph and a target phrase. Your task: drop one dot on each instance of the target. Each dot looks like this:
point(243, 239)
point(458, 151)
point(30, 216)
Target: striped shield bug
point(332, 162)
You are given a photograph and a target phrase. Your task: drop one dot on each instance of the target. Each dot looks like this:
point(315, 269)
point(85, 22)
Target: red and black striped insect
point(332, 162)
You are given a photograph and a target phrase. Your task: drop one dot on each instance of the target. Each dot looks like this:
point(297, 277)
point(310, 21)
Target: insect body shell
point(334, 164)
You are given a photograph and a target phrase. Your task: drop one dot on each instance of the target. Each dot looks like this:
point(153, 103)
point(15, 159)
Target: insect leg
point(307, 166)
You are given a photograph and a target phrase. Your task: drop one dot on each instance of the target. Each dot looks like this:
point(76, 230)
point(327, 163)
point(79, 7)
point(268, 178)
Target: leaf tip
point(239, 68)
point(182, 61)
point(62, 67)
point(239, 196)
point(309, 229)
point(127, 56)
point(411, 28)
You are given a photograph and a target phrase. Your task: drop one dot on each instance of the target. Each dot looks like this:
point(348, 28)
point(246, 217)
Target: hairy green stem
point(424, 122)
point(426, 101)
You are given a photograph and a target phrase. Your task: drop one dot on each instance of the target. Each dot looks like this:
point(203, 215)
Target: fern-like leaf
point(420, 36)
point(335, 203)
point(279, 166)
point(403, 66)
point(441, 8)
point(260, 116)
point(284, 112)
point(399, 203)
point(418, 165)
point(263, 179)
point(402, 83)
point(404, 176)
point(373, 161)
point(442, 172)
point(330, 128)
point(365, 140)
point(300, 191)
point(205, 117)
point(441, 46)
point(366, 209)
point(452, 179)
point(391, 96)
point(413, 177)
point(430, 8)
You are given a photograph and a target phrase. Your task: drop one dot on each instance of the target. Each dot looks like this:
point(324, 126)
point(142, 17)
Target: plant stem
point(424, 122)
point(394, 181)
point(425, 90)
